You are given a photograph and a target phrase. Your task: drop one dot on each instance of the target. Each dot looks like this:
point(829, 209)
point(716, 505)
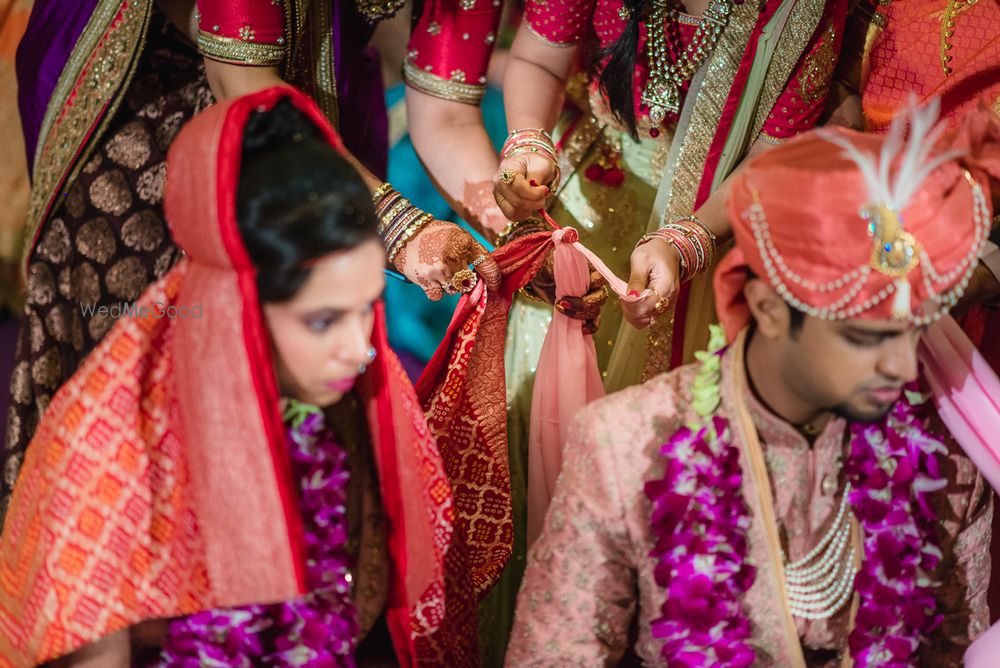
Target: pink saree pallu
point(967, 397)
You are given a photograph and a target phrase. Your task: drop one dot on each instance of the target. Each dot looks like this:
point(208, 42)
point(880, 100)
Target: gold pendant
point(662, 98)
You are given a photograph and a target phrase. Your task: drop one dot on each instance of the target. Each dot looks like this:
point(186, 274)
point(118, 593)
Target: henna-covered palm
point(433, 256)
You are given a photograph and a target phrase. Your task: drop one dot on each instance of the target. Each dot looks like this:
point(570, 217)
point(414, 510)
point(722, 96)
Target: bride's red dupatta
point(158, 482)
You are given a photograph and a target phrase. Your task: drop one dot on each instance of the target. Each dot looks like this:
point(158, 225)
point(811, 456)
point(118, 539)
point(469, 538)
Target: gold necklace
point(662, 92)
point(951, 12)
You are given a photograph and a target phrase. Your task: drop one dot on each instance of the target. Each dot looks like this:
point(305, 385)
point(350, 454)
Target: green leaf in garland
point(294, 412)
point(705, 395)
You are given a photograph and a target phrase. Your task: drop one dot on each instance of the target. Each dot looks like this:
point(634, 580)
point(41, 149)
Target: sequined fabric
point(106, 241)
point(590, 578)
point(450, 46)
point(906, 58)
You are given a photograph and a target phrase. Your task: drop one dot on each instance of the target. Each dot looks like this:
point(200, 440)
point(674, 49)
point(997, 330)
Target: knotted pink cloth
point(567, 377)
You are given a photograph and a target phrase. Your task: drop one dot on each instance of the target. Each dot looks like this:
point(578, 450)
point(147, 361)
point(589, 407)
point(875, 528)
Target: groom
point(783, 502)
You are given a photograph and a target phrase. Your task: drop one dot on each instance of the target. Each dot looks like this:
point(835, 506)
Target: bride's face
point(322, 335)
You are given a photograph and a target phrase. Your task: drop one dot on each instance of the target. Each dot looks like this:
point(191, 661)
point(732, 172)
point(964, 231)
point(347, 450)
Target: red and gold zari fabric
point(242, 32)
point(464, 397)
point(449, 49)
point(74, 565)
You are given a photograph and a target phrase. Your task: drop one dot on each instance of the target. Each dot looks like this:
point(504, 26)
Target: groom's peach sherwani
point(589, 595)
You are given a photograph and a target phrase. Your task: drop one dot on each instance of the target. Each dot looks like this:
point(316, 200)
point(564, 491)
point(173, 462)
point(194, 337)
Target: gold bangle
point(520, 131)
point(405, 237)
point(381, 191)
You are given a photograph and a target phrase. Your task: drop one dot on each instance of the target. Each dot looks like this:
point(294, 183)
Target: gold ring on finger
point(464, 280)
point(500, 199)
point(479, 260)
point(507, 176)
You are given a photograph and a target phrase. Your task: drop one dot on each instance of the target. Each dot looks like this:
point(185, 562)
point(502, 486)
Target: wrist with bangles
point(527, 141)
point(694, 242)
point(399, 220)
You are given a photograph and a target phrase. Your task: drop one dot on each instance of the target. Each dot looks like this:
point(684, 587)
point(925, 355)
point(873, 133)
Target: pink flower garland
point(701, 521)
point(893, 469)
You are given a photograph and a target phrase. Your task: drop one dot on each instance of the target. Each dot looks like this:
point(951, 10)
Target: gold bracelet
point(381, 191)
point(407, 235)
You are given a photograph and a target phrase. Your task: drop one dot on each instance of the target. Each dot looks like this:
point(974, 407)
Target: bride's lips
point(342, 386)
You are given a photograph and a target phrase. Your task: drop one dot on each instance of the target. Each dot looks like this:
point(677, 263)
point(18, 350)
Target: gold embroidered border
point(324, 71)
point(90, 86)
point(794, 39)
point(817, 70)
point(238, 51)
point(707, 111)
point(776, 141)
point(378, 10)
point(432, 84)
point(309, 62)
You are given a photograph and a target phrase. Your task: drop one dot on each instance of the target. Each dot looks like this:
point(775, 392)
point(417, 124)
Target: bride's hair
point(616, 77)
point(297, 200)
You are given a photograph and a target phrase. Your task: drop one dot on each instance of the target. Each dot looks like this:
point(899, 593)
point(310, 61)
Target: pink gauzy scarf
point(567, 376)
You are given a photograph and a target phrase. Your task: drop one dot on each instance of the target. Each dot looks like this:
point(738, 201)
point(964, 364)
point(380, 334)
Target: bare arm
point(451, 140)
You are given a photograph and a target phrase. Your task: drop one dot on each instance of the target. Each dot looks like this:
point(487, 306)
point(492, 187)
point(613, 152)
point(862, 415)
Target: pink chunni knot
point(700, 520)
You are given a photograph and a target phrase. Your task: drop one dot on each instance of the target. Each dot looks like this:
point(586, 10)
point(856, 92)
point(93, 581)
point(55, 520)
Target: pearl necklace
point(821, 582)
point(662, 93)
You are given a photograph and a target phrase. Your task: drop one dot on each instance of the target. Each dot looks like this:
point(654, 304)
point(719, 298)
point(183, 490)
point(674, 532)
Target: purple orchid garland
point(318, 630)
point(700, 521)
point(893, 469)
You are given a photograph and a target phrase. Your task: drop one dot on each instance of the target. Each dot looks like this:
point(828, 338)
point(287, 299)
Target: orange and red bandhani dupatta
point(158, 483)
point(463, 394)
